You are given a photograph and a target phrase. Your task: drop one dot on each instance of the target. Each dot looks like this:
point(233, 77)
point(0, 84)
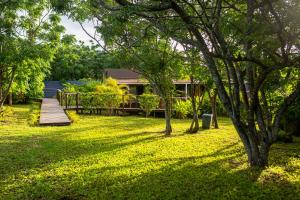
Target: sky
point(74, 28)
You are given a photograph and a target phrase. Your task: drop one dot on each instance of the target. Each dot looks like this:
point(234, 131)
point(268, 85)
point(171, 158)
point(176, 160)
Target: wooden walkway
point(52, 114)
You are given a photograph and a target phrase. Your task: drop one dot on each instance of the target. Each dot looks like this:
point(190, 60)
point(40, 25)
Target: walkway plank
point(52, 114)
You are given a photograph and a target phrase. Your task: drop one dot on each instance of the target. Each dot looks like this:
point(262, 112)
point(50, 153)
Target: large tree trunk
point(10, 99)
point(213, 103)
point(194, 128)
point(5, 92)
point(168, 115)
point(256, 149)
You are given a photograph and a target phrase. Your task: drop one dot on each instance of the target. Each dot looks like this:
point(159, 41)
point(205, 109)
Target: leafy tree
point(155, 57)
point(156, 61)
point(245, 41)
point(148, 102)
point(28, 33)
point(75, 61)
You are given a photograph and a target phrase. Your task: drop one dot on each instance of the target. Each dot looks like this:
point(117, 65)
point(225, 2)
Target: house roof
point(121, 74)
point(144, 82)
point(129, 77)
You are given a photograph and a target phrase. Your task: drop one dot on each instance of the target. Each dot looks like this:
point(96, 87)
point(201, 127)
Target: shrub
point(6, 113)
point(107, 100)
point(95, 94)
point(34, 114)
point(182, 108)
point(148, 102)
point(86, 100)
point(284, 137)
point(70, 88)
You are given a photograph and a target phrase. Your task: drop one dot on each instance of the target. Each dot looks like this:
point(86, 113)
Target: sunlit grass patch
point(100, 157)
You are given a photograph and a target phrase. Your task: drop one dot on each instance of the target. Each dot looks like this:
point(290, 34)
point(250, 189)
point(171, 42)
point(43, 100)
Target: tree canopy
point(244, 44)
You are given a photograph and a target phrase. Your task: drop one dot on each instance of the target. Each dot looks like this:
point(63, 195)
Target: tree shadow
point(194, 177)
point(19, 153)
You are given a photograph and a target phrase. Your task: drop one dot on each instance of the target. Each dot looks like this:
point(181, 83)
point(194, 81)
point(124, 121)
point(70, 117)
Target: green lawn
point(129, 158)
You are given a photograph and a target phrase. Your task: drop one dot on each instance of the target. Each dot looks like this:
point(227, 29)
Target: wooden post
point(186, 91)
point(77, 102)
point(60, 97)
point(66, 99)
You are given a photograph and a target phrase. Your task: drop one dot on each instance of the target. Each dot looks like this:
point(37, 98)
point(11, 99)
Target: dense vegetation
point(250, 49)
point(247, 53)
point(112, 158)
point(29, 34)
point(75, 61)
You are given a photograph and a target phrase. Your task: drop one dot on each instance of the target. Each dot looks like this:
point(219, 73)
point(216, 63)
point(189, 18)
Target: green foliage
point(148, 102)
point(128, 158)
point(94, 94)
point(34, 114)
point(28, 39)
point(282, 136)
point(75, 61)
point(6, 114)
point(70, 88)
point(182, 108)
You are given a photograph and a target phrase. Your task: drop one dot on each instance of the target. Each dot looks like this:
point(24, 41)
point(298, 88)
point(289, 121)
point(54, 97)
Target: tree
point(142, 50)
point(197, 84)
point(148, 102)
point(252, 39)
point(75, 61)
point(27, 39)
point(156, 61)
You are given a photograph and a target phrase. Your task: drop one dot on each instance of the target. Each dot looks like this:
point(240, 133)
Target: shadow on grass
point(179, 178)
point(19, 153)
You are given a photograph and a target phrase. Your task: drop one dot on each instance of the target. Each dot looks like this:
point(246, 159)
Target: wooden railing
point(72, 101)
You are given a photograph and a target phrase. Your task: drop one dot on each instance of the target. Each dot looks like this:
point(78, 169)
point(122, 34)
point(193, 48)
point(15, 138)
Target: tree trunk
point(10, 99)
point(4, 93)
point(194, 128)
point(214, 110)
point(258, 156)
point(256, 150)
point(168, 115)
point(213, 103)
point(1, 86)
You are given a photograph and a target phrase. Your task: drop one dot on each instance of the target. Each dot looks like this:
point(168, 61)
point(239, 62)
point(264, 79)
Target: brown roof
point(129, 77)
point(144, 82)
point(121, 74)
point(133, 81)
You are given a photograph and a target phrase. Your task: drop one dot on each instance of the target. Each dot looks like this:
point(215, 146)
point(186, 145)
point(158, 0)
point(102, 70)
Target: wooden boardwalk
point(52, 114)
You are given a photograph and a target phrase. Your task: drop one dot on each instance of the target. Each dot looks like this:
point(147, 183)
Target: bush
point(87, 100)
point(182, 108)
point(284, 137)
point(6, 113)
point(34, 115)
point(148, 102)
point(95, 94)
point(70, 88)
point(100, 100)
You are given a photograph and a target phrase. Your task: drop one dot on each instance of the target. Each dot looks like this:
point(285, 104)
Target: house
point(137, 83)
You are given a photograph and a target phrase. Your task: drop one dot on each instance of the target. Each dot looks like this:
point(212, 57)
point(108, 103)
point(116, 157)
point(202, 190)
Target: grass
point(101, 157)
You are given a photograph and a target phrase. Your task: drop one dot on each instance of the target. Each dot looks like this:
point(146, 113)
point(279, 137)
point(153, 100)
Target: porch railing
point(72, 101)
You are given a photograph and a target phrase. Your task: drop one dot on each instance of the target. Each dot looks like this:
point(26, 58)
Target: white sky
point(74, 28)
